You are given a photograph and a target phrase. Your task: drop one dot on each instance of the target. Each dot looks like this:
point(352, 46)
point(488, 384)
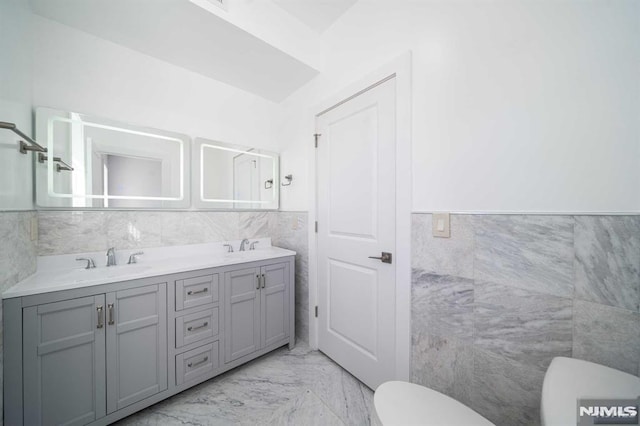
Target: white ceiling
point(183, 34)
point(316, 14)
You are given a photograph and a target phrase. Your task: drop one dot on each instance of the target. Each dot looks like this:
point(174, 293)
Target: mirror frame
point(44, 198)
point(198, 200)
point(191, 170)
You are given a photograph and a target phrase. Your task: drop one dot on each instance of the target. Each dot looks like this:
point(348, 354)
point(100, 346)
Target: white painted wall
point(15, 104)
point(79, 72)
point(524, 106)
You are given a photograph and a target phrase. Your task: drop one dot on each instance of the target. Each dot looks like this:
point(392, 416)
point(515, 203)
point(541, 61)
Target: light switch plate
point(441, 222)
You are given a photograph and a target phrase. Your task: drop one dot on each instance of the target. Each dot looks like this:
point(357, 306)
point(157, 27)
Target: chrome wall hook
point(288, 178)
point(268, 184)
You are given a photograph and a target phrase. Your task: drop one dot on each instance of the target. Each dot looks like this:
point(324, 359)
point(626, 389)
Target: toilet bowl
point(402, 403)
point(569, 379)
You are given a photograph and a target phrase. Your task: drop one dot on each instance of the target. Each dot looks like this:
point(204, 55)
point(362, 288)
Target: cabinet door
point(241, 313)
point(275, 303)
point(136, 345)
point(64, 362)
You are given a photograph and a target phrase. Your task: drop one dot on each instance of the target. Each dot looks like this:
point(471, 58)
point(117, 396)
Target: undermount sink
point(247, 254)
point(79, 275)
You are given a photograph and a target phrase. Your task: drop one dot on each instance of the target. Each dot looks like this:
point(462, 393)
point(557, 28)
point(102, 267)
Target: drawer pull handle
point(198, 327)
point(110, 307)
point(195, 364)
point(258, 282)
point(264, 281)
point(204, 290)
point(100, 317)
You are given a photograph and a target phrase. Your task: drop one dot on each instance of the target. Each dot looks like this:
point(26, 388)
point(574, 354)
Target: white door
point(356, 220)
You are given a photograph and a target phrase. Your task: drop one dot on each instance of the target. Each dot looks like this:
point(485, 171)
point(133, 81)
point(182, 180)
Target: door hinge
point(316, 136)
point(316, 311)
point(316, 226)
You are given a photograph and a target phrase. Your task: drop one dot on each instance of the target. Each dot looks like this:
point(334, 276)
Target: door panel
point(275, 303)
point(356, 215)
point(355, 323)
point(137, 345)
point(352, 175)
point(64, 362)
point(242, 313)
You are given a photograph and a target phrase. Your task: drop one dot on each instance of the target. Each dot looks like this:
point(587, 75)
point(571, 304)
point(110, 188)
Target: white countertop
point(57, 273)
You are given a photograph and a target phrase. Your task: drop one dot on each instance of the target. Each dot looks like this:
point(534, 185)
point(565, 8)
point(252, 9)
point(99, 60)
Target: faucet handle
point(133, 258)
point(90, 263)
point(229, 248)
point(252, 246)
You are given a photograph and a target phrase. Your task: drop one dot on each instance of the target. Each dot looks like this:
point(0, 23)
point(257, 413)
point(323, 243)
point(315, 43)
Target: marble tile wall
point(291, 232)
point(493, 304)
point(64, 232)
point(17, 258)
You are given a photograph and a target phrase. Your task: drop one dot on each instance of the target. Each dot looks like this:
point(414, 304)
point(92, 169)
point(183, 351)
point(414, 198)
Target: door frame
point(400, 69)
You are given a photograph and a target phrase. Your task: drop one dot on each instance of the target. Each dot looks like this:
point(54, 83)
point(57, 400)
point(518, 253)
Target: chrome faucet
point(90, 263)
point(133, 258)
point(245, 241)
point(111, 257)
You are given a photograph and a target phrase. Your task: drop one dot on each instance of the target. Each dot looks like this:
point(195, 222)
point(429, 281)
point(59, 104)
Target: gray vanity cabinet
point(242, 312)
point(136, 345)
point(64, 362)
point(88, 357)
point(257, 309)
point(96, 354)
point(274, 303)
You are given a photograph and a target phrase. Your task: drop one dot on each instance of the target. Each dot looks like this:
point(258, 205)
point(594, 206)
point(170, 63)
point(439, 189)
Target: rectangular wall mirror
point(98, 163)
point(234, 177)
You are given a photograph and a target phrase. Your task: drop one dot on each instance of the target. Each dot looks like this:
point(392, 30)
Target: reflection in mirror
point(115, 165)
point(234, 177)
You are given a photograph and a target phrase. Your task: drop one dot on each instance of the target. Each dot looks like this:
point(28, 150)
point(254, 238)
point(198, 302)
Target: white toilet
point(566, 381)
point(569, 379)
point(402, 403)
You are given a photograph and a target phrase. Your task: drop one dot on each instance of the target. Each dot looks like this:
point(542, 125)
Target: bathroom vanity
point(91, 346)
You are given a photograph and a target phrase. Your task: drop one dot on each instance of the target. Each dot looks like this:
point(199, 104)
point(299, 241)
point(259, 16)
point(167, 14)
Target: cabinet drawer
point(196, 291)
point(196, 363)
point(198, 326)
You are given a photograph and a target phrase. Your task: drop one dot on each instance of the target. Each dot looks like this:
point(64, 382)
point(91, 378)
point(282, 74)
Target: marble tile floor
point(298, 387)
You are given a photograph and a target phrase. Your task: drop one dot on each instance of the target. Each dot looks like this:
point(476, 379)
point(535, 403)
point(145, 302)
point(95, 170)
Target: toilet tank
point(569, 379)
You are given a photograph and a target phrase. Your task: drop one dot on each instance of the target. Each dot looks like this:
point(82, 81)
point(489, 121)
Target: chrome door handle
point(192, 364)
point(264, 281)
point(198, 327)
point(110, 308)
point(384, 257)
point(100, 317)
point(204, 290)
point(258, 281)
